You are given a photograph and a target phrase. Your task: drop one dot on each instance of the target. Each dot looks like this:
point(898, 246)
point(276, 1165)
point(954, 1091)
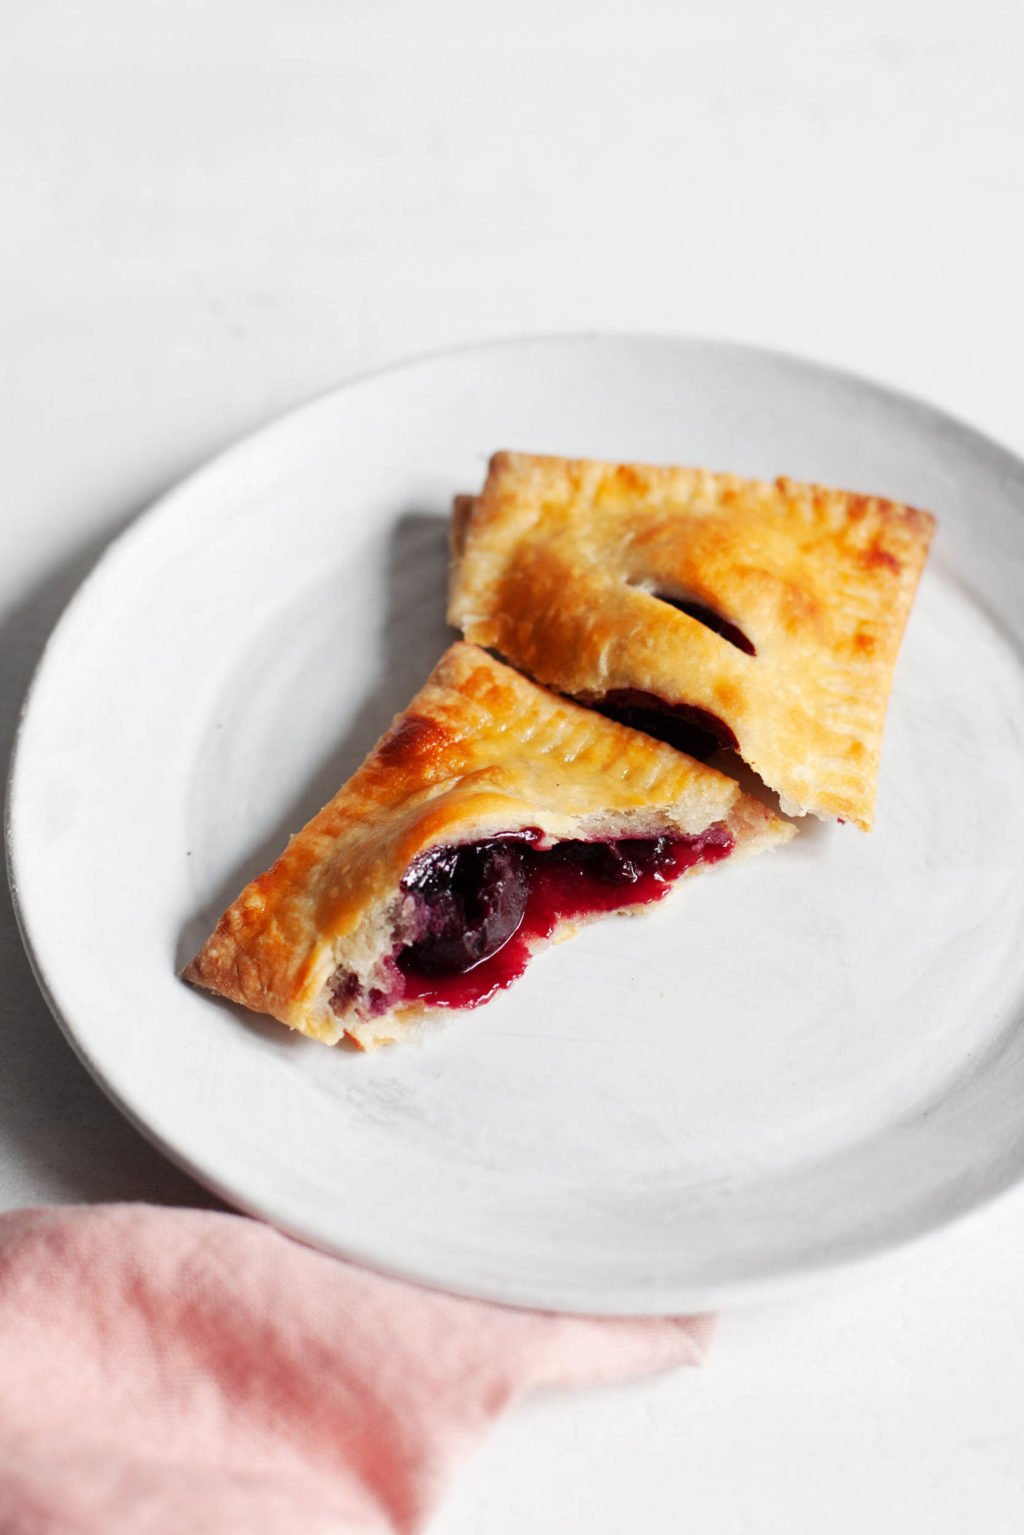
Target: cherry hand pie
point(762, 617)
point(492, 817)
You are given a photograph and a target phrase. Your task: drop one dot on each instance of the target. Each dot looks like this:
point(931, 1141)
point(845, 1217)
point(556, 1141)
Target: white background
point(210, 211)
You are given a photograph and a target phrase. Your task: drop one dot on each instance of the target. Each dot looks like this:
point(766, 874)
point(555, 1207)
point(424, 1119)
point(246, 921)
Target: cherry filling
point(481, 908)
point(687, 727)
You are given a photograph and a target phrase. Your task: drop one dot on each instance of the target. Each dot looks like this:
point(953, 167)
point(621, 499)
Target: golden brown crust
point(462, 511)
point(555, 564)
point(481, 750)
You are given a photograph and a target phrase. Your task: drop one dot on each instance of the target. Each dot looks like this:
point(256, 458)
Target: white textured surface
point(211, 211)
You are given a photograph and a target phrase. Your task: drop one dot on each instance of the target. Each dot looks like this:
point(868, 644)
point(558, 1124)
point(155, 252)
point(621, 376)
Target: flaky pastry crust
point(556, 563)
point(480, 751)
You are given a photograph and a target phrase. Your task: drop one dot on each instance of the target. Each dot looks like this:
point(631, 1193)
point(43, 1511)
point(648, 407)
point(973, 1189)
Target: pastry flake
point(492, 817)
point(768, 614)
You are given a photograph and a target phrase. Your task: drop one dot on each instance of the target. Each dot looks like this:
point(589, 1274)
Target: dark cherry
point(710, 619)
point(470, 901)
point(345, 989)
point(687, 727)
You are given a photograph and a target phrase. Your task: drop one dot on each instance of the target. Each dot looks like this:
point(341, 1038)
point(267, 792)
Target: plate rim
point(811, 1275)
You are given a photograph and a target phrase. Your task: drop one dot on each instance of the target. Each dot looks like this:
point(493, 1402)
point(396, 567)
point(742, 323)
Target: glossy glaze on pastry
point(492, 817)
point(769, 615)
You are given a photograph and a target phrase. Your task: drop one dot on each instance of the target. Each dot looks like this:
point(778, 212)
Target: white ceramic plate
point(795, 1064)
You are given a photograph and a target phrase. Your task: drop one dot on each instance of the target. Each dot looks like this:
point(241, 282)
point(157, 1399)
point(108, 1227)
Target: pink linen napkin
point(183, 1371)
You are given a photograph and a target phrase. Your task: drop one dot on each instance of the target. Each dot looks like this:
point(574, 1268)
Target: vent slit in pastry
point(688, 728)
point(702, 614)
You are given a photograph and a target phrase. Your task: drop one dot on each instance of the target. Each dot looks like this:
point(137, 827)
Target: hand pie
point(492, 817)
point(767, 615)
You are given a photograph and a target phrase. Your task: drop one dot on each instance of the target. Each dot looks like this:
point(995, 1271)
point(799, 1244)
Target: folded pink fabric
point(184, 1371)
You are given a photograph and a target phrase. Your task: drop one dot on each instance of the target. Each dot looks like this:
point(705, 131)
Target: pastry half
point(492, 817)
point(766, 615)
